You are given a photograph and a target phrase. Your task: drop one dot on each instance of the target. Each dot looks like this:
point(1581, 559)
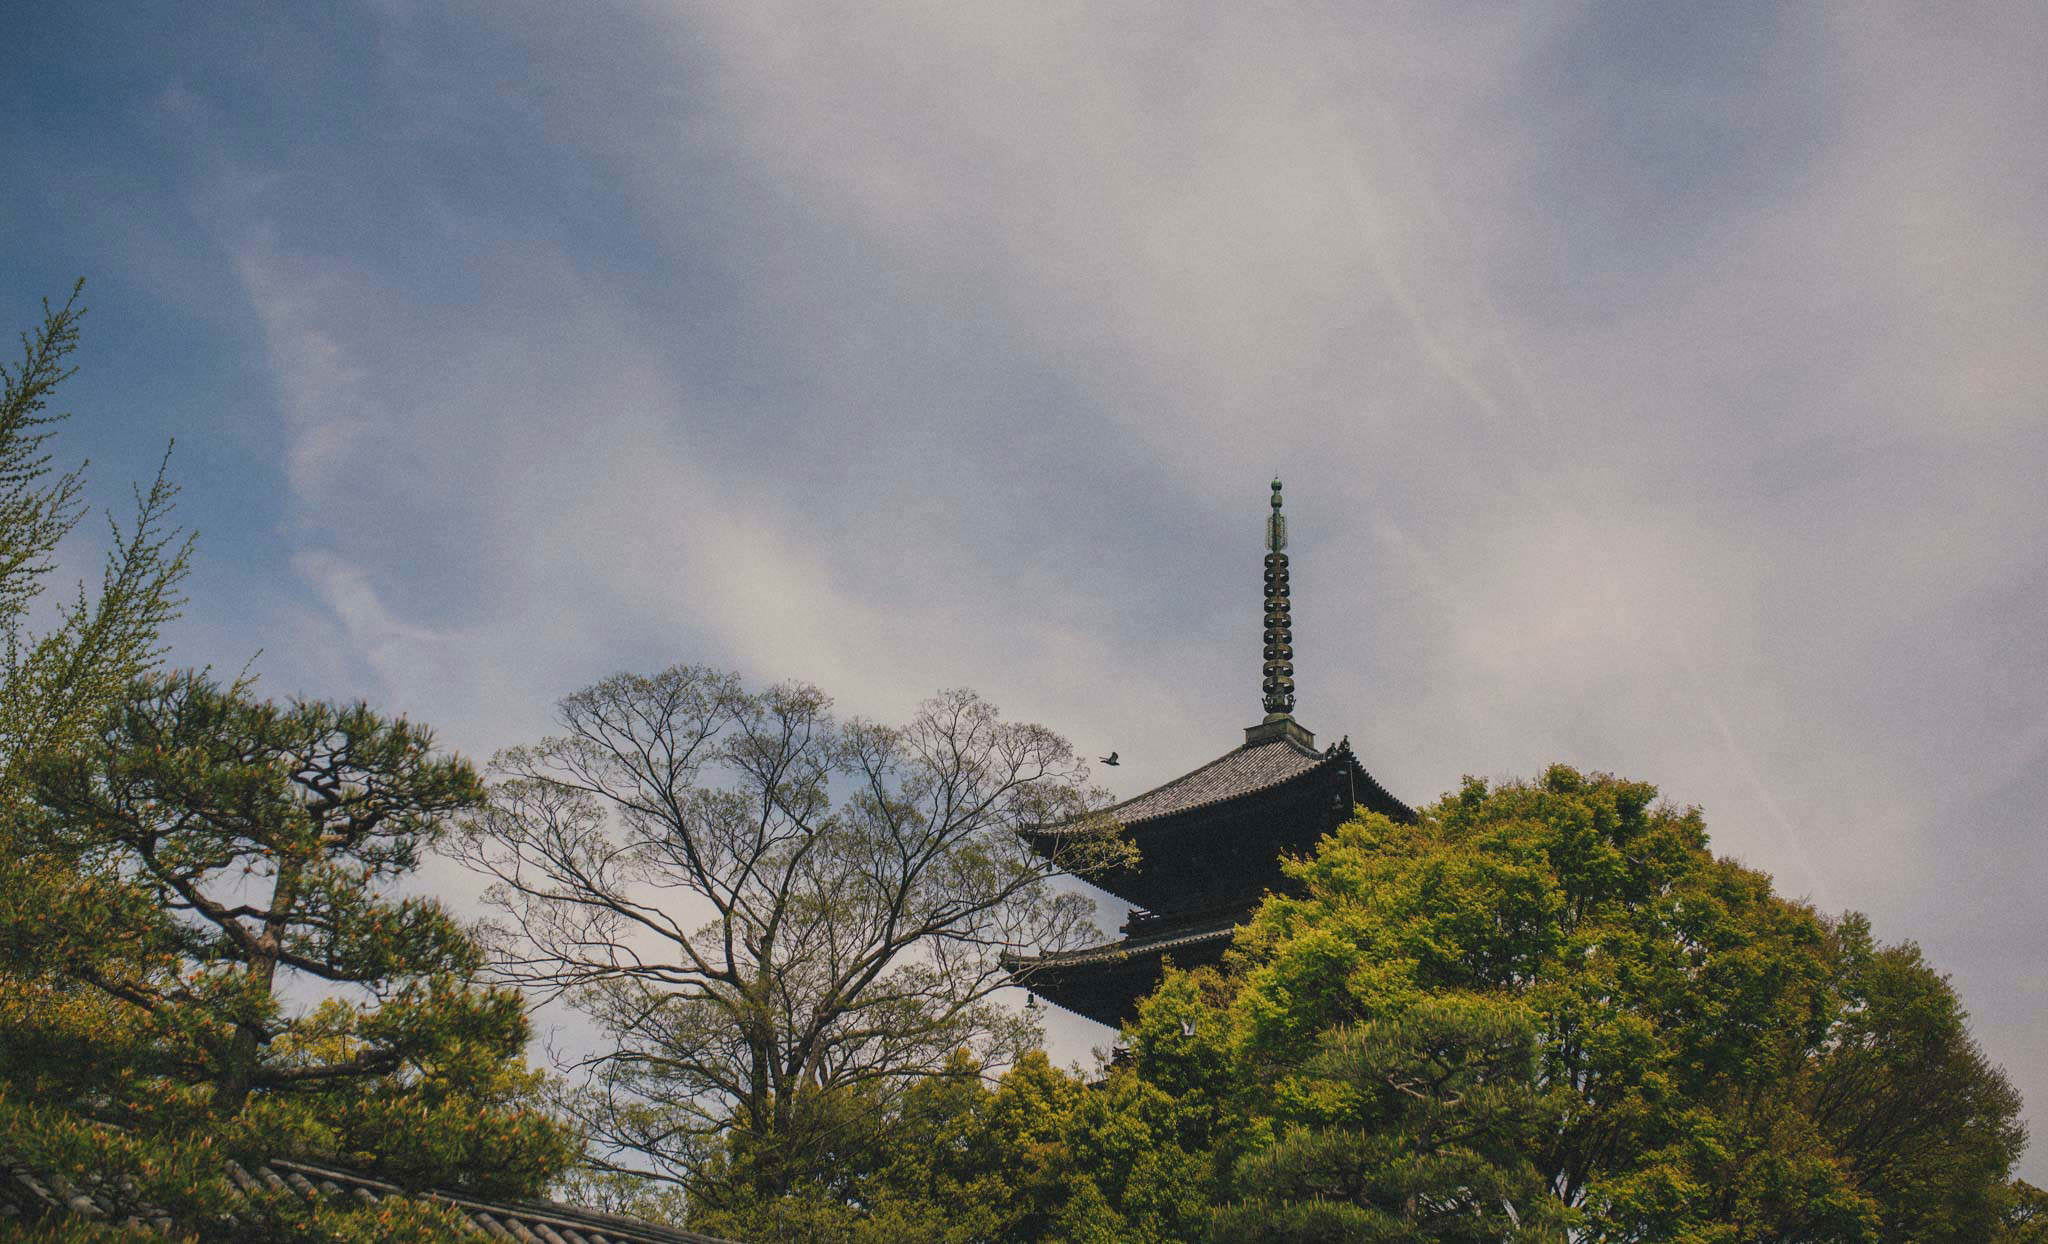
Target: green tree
point(141, 1038)
point(259, 839)
point(1899, 1088)
point(1678, 1004)
point(1042, 1155)
point(2023, 1214)
point(218, 845)
point(58, 680)
point(913, 1162)
point(55, 683)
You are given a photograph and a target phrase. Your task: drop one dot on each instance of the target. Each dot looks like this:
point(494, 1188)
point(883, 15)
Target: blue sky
point(1658, 388)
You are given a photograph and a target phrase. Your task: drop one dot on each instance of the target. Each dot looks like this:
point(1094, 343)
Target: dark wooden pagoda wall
point(1108, 993)
point(1229, 854)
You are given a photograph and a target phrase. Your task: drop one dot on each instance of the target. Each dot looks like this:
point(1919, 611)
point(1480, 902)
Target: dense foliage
point(213, 846)
point(1709, 1061)
point(1041, 1154)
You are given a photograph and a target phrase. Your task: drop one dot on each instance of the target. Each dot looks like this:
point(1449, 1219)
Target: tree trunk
point(238, 1076)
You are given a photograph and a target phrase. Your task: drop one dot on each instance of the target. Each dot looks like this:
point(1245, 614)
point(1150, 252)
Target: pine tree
point(246, 842)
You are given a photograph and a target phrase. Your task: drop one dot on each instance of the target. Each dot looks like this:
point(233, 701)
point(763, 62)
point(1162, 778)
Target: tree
point(764, 908)
point(2023, 1214)
point(120, 1015)
point(248, 839)
point(1042, 1155)
point(1133, 1154)
point(1719, 1062)
point(1929, 1127)
point(56, 682)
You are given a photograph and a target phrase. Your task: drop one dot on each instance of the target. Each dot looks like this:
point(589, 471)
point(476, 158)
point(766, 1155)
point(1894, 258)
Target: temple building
point(1210, 842)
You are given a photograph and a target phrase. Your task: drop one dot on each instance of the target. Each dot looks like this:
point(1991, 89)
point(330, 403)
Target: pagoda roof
point(1244, 770)
point(1253, 768)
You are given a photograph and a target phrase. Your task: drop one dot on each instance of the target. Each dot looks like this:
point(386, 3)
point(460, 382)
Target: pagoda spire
point(1279, 686)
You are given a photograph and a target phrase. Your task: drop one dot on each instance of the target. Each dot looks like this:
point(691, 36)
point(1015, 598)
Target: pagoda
point(1210, 842)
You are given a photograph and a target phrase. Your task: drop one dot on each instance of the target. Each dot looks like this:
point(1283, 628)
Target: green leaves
point(54, 685)
point(168, 848)
point(1420, 1126)
point(1706, 1060)
point(1929, 1125)
point(215, 844)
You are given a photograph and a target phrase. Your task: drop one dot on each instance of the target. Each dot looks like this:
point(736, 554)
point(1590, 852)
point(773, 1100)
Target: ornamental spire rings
point(1279, 684)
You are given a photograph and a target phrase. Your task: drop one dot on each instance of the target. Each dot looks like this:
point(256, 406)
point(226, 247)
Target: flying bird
point(1109, 759)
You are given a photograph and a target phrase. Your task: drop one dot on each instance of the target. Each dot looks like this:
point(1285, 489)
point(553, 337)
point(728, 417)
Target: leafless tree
point(761, 906)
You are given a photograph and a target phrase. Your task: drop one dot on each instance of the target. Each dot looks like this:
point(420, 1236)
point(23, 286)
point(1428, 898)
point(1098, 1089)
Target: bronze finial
point(1279, 686)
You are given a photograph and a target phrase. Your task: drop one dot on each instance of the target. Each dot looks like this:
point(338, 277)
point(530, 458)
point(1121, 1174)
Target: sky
point(1658, 389)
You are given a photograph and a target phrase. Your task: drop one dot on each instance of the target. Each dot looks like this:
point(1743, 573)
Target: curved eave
point(1383, 800)
point(1126, 950)
point(1103, 983)
point(1368, 793)
point(1046, 839)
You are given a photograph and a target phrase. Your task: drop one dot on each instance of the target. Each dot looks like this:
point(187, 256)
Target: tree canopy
point(217, 845)
point(258, 838)
point(764, 907)
point(1706, 1063)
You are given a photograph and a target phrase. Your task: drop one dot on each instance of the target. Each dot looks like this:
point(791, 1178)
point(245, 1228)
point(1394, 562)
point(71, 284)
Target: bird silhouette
point(1109, 759)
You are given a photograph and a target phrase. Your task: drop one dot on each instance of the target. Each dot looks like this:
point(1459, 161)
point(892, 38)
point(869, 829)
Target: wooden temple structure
point(1210, 842)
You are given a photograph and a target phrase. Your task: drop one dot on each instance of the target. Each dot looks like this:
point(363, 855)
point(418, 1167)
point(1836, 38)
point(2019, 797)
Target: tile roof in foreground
point(25, 1194)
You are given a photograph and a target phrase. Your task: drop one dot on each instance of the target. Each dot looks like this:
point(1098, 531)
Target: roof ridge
point(1317, 760)
point(1248, 770)
point(1172, 781)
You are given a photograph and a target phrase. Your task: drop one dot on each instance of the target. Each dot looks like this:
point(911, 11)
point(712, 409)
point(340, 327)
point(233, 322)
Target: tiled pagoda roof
point(1246, 770)
point(1243, 770)
point(25, 1193)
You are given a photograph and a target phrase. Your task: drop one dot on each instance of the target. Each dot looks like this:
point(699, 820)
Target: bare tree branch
point(758, 903)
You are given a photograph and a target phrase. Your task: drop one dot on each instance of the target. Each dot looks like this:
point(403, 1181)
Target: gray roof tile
point(23, 1193)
